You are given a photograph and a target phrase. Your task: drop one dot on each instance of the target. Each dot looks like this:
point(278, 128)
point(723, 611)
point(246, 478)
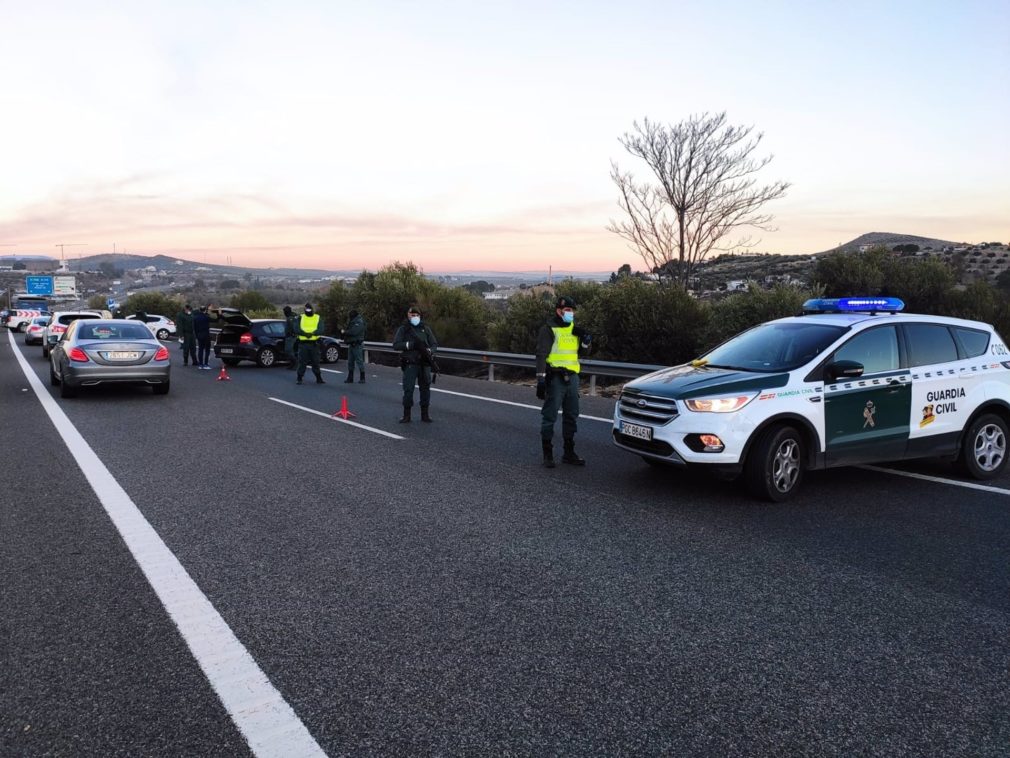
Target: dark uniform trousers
point(416, 373)
point(308, 354)
point(563, 395)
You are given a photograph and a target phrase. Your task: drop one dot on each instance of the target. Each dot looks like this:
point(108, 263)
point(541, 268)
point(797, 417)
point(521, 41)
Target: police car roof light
point(854, 305)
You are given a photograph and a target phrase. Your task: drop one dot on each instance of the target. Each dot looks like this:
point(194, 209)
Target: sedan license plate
point(118, 355)
point(634, 430)
point(226, 351)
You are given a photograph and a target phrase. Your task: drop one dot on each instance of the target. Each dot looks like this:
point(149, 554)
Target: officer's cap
point(565, 302)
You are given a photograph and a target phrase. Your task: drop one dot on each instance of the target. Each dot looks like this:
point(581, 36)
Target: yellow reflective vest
point(565, 350)
point(309, 324)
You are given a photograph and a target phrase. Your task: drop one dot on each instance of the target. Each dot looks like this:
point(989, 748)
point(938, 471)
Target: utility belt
point(565, 374)
point(356, 343)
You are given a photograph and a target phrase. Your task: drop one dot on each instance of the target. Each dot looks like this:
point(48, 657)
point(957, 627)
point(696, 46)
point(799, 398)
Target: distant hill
point(889, 239)
point(171, 263)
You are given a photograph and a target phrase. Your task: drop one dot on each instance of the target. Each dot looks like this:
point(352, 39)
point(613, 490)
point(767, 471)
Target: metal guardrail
point(590, 368)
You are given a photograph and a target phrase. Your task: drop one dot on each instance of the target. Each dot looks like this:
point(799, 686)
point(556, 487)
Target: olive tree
point(704, 190)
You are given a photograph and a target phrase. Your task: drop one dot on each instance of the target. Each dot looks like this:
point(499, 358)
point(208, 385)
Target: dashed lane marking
point(337, 418)
point(939, 480)
point(260, 712)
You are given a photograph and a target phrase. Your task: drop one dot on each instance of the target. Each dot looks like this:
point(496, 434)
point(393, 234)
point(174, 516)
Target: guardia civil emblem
point(868, 413)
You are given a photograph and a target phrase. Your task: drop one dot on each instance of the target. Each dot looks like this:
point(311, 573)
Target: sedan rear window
point(775, 347)
point(69, 318)
point(121, 331)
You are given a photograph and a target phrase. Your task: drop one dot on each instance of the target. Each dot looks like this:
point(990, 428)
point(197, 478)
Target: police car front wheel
point(774, 467)
point(984, 450)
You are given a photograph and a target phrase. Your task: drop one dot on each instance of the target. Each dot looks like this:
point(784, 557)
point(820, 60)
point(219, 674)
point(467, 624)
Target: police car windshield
point(775, 347)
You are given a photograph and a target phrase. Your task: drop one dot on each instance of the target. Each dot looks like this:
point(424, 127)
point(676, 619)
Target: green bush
point(742, 310)
point(153, 303)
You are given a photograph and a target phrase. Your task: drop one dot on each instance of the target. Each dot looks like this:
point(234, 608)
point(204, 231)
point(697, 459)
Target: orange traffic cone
point(343, 412)
point(223, 376)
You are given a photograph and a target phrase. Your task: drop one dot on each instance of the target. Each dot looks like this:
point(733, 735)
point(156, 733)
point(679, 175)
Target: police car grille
point(648, 409)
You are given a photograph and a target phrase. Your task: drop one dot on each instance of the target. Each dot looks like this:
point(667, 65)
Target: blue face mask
point(415, 320)
point(568, 317)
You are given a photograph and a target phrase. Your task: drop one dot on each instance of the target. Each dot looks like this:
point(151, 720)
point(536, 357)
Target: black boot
point(319, 379)
point(406, 415)
point(571, 456)
point(349, 379)
point(424, 414)
point(362, 379)
point(548, 453)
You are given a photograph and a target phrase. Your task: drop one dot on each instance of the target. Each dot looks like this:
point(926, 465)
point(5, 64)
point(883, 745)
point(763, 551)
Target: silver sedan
point(107, 351)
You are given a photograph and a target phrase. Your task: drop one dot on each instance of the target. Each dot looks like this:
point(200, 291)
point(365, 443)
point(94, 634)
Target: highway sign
point(65, 285)
point(39, 285)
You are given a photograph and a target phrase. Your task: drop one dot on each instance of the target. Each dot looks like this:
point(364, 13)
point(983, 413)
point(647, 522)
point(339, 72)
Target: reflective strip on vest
point(565, 350)
point(309, 324)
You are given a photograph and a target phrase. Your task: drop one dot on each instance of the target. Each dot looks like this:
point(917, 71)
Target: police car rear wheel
point(774, 468)
point(984, 454)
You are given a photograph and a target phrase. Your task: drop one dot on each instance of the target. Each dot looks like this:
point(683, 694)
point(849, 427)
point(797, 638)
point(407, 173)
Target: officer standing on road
point(201, 330)
point(187, 334)
point(558, 344)
point(417, 344)
point(290, 336)
point(308, 332)
point(354, 336)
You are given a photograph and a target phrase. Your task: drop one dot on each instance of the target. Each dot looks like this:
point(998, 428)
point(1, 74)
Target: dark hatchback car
point(260, 340)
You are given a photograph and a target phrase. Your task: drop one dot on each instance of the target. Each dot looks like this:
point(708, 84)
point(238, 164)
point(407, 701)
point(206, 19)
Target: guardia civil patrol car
point(851, 380)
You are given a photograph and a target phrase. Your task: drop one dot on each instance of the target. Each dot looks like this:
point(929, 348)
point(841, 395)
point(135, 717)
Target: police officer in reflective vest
point(309, 329)
point(558, 344)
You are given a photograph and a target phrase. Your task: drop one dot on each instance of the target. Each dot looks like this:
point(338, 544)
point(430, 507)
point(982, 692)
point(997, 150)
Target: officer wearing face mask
point(557, 353)
point(417, 345)
point(310, 328)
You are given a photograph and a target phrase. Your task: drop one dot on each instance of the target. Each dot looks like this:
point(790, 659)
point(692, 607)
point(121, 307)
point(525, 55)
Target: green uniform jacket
point(414, 335)
point(355, 331)
point(184, 325)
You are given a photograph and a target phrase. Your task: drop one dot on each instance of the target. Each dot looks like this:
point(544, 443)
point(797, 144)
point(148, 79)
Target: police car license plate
point(122, 356)
point(634, 430)
point(226, 351)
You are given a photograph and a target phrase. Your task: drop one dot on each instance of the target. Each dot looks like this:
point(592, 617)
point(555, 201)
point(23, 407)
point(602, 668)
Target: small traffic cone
point(223, 376)
point(343, 412)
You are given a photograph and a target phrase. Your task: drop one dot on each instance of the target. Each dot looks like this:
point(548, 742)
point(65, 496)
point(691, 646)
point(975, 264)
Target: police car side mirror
point(843, 370)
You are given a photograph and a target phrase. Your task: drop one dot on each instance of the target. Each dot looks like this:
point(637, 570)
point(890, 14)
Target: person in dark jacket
point(417, 345)
point(557, 353)
point(187, 337)
point(354, 336)
point(291, 336)
point(201, 330)
point(310, 328)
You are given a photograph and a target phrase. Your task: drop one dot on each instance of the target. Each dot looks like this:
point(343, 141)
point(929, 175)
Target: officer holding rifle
point(417, 345)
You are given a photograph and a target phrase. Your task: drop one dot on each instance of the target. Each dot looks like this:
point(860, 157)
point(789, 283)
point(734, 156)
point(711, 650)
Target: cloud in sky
point(348, 135)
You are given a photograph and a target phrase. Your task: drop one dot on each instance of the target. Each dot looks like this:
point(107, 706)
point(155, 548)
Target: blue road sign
point(39, 285)
point(111, 302)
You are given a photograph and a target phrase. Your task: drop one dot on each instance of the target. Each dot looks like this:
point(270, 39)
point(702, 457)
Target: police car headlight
point(719, 404)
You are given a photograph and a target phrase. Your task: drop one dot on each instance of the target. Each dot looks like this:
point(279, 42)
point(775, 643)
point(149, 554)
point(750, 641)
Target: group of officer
point(557, 364)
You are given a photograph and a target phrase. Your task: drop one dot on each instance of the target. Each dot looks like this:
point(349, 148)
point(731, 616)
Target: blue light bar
point(854, 305)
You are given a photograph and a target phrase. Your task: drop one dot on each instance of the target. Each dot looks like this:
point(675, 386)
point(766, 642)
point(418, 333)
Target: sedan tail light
point(58, 328)
point(76, 354)
point(162, 354)
point(246, 339)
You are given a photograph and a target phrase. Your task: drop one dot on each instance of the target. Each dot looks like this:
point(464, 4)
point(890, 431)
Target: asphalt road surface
point(228, 571)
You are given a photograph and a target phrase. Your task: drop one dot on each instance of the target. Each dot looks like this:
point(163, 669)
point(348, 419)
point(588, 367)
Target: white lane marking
point(517, 405)
point(337, 418)
point(939, 480)
point(267, 722)
point(331, 370)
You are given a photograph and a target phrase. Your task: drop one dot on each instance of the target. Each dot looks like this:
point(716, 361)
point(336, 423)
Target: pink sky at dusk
point(480, 138)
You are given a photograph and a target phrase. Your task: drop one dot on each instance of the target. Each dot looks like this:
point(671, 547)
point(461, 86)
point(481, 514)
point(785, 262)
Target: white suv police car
point(850, 381)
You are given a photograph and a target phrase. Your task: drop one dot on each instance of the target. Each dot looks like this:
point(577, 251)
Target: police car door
point(943, 385)
point(867, 419)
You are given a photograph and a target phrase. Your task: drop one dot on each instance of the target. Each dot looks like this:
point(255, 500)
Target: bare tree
point(705, 189)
